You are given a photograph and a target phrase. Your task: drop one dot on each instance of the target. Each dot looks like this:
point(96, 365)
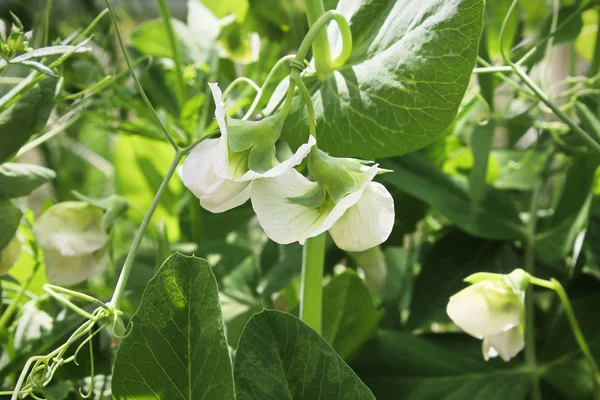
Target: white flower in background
point(10, 255)
point(492, 309)
point(343, 199)
point(219, 171)
point(74, 242)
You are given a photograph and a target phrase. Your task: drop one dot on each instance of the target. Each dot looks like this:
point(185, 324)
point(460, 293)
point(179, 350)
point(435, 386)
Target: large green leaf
point(451, 259)
point(10, 217)
point(350, 317)
point(279, 357)
point(494, 216)
point(410, 65)
point(558, 233)
point(18, 180)
point(25, 117)
point(400, 366)
point(177, 348)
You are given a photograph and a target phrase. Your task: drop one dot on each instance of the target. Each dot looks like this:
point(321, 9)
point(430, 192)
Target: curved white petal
point(71, 270)
point(198, 174)
point(506, 344)
point(230, 195)
point(286, 222)
point(485, 309)
point(284, 166)
point(72, 228)
point(367, 223)
point(283, 221)
point(220, 114)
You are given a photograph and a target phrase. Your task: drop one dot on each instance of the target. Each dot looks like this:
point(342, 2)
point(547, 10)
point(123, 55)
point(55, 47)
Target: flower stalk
point(311, 298)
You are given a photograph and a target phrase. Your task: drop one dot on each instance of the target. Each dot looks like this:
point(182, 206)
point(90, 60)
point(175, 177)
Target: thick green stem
point(320, 45)
point(529, 267)
point(137, 240)
point(166, 15)
point(311, 298)
point(555, 285)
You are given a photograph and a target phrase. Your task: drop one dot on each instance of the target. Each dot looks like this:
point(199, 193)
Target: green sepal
point(334, 174)
point(313, 199)
point(483, 276)
point(262, 158)
point(114, 205)
point(243, 135)
point(518, 280)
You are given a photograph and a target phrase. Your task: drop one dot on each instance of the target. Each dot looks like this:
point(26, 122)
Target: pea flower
point(492, 309)
point(74, 242)
point(219, 171)
point(343, 199)
point(10, 255)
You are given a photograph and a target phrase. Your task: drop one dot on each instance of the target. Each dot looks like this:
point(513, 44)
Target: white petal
point(367, 223)
point(287, 222)
point(506, 344)
point(71, 270)
point(71, 228)
point(284, 166)
point(283, 221)
point(216, 194)
point(220, 114)
point(230, 195)
point(485, 309)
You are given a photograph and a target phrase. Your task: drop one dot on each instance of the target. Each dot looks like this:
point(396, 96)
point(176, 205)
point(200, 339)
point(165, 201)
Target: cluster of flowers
point(243, 164)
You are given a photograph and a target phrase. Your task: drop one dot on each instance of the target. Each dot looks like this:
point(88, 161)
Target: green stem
point(311, 298)
point(555, 285)
point(320, 45)
point(138, 85)
point(268, 79)
point(529, 267)
point(137, 240)
point(539, 92)
point(47, 22)
point(14, 304)
point(166, 15)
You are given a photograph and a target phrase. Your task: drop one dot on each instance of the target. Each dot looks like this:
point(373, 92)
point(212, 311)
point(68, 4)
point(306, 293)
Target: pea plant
point(319, 199)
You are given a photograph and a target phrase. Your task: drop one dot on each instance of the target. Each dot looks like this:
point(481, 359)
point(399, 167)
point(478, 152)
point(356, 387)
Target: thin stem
point(138, 85)
point(529, 267)
point(137, 240)
point(555, 285)
point(14, 305)
point(489, 70)
point(268, 79)
point(320, 45)
point(311, 300)
point(540, 93)
point(166, 15)
point(237, 81)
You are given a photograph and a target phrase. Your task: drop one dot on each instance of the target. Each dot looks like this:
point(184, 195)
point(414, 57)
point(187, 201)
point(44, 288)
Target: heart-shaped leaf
point(177, 348)
point(407, 74)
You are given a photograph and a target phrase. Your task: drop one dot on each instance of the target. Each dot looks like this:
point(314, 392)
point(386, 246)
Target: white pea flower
point(10, 255)
point(343, 199)
point(219, 171)
point(492, 309)
point(74, 242)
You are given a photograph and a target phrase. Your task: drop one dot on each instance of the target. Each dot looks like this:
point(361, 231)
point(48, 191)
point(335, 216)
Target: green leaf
point(447, 263)
point(400, 366)
point(495, 217)
point(481, 146)
point(25, 117)
point(407, 74)
point(177, 348)
point(18, 180)
point(279, 357)
point(350, 317)
point(557, 234)
point(48, 51)
point(519, 170)
point(10, 217)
